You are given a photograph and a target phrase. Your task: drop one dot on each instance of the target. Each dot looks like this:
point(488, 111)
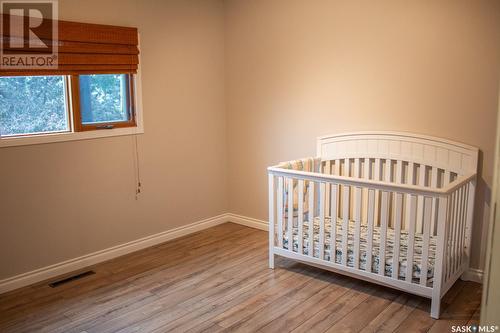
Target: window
point(103, 101)
point(88, 89)
point(103, 98)
point(34, 105)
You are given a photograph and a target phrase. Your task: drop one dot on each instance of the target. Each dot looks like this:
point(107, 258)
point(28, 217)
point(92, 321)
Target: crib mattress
point(389, 250)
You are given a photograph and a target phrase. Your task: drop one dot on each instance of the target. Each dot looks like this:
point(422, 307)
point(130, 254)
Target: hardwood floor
point(218, 280)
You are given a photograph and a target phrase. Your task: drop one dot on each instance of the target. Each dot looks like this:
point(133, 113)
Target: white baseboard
point(75, 264)
point(71, 265)
point(248, 221)
point(473, 274)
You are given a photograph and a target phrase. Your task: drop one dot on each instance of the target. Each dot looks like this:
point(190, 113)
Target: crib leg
point(435, 307)
point(271, 259)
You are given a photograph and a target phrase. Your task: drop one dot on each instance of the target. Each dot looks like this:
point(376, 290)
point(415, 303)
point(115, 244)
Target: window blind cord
point(137, 168)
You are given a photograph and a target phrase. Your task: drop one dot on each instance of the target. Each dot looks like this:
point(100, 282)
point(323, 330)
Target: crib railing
point(428, 225)
point(458, 232)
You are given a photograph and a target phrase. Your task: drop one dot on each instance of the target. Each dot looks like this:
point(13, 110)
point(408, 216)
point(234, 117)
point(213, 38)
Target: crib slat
point(450, 227)
point(446, 177)
point(300, 215)
point(452, 233)
point(356, 168)
point(464, 223)
point(470, 189)
point(410, 181)
point(398, 219)
point(271, 219)
point(366, 173)
point(357, 219)
point(434, 177)
point(464, 229)
point(321, 244)
point(345, 225)
point(461, 228)
point(411, 173)
point(434, 184)
point(371, 218)
point(337, 167)
point(459, 225)
point(411, 215)
point(347, 167)
point(426, 236)
point(447, 246)
point(280, 212)
point(388, 170)
point(397, 235)
point(420, 202)
point(376, 174)
point(328, 171)
point(333, 221)
point(311, 219)
point(384, 213)
point(364, 192)
point(290, 214)
point(399, 172)
point(422, 175)
point(458, 231)
point(455, 233)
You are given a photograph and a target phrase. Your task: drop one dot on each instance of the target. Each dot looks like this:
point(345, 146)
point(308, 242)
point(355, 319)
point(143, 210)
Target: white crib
point(403, 198)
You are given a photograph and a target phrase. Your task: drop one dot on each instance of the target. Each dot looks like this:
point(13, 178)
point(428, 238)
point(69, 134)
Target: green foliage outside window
point(32, 104)
point(102, 98)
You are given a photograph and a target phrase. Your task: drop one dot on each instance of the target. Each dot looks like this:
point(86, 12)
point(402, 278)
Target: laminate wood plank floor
point(217, 280)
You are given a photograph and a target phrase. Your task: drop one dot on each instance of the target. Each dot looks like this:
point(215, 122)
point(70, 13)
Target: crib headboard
point(441, 153)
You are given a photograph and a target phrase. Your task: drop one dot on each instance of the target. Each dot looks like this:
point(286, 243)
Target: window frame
point(132, 127)
point(78, 124)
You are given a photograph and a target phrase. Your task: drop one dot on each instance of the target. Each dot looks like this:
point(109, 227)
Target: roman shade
point(83, 48)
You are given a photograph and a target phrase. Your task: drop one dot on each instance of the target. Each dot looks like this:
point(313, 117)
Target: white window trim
point(36, 139)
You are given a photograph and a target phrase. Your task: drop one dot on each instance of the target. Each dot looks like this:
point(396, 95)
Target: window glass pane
point(32, 104)
point(103, 98)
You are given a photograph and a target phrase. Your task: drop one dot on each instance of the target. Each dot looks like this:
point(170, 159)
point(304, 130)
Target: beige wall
point(298, 69)
point(60, 201)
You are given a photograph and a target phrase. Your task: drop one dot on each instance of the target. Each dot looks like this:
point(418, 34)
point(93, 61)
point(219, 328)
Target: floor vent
point(71, 278)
